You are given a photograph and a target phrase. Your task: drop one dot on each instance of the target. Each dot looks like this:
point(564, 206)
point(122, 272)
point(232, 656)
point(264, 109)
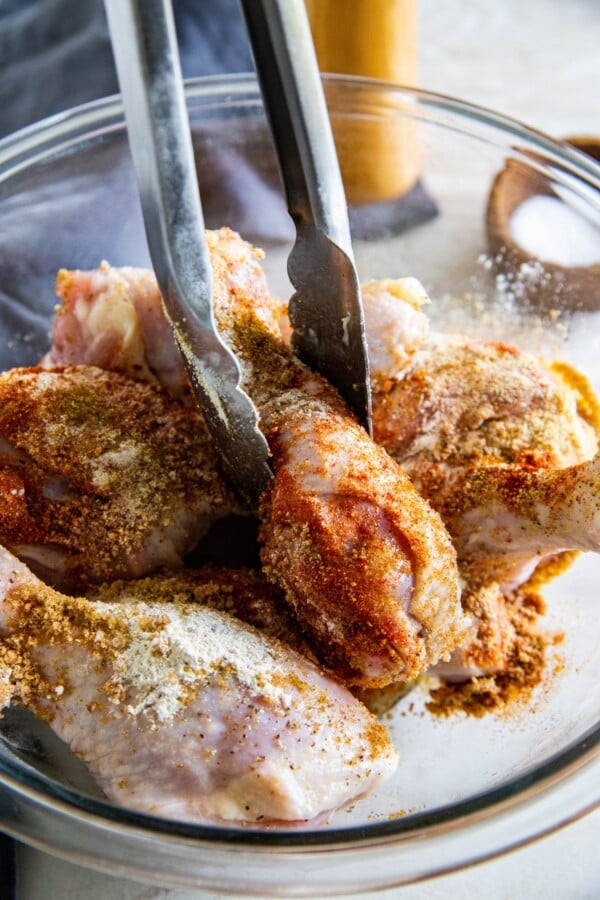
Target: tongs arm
point(326, 310)
point(145, 48)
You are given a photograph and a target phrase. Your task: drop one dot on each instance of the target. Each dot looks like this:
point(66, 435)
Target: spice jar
point(374, 38)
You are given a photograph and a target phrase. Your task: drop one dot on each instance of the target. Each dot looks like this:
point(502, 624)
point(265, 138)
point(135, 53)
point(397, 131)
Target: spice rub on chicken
point(480, 427)
point(364, 561)
point(498, 441)
point(502, 444)
point(114, 318)
point(97, 324)
point(181, 710)
point(240, 592)
point(101, 476)
point(484, 430)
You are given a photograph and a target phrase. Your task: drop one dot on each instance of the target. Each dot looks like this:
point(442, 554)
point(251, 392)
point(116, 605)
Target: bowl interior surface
point(68, 199)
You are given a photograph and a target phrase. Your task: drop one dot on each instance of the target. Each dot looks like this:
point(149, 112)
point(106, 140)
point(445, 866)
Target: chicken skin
point(485, 432)
point(480, 428)
point(501, 444)
point(114, 319)
point(514, 517)
point(181, 710)
point(103, 322)
point(470, 421)
point(102, 477)
point(365, 563)
point(243, 593)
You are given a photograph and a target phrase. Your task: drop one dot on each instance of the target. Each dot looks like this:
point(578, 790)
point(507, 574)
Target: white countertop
point(539, 62)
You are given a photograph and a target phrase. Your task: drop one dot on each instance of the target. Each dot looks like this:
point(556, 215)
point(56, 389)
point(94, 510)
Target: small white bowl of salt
point(540, 240)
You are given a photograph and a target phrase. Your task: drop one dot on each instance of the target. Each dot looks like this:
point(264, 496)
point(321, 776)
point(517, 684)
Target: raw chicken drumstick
point(182, 711)
point(469, 420)
point(243, 593)
point(114, 319)
point(102, 477)
point(500, 443)
point(514, 517)
point(365, 562)
point(469, 493)
point(489, 435)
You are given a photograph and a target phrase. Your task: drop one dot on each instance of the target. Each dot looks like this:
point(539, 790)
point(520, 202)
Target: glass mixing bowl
point(466, 788)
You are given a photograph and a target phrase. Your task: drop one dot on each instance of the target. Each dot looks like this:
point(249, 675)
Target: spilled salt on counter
point(549, 230)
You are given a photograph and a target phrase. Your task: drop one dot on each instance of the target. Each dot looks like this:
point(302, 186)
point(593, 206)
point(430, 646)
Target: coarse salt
point(547, 229)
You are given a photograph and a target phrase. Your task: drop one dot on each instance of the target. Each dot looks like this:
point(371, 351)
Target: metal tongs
point(326, 309)
point(146, 55)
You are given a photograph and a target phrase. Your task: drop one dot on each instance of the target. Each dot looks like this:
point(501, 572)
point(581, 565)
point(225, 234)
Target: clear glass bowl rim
point(60, 132)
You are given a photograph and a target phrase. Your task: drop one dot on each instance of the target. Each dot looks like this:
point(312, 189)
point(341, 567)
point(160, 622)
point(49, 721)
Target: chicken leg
point(365, 562)
point(102, 477)
point(181, 710)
